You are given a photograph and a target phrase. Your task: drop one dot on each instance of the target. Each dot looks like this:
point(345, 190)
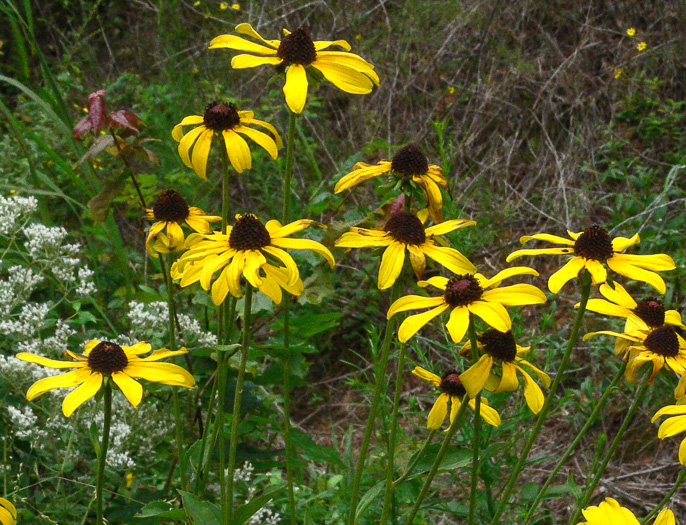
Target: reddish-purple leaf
point(96, 109)
point(125, 119)
point(83, 126)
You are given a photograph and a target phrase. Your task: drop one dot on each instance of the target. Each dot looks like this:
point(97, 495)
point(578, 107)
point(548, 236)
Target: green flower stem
point(285, 216)
point(172, 346)
point(290, 150)
point(477, 427)
point(130, 169)
point(589, 423)
point(392, 440)
point(380, 374)
point(102, 450)
point(679, 480)
point(236, 414)
point(415, 459)
point(588, 492)
point(574, 336)
point(439, 458)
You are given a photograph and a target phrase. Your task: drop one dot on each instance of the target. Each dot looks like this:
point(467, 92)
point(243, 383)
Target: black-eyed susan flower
point(295, 54)
point(246, 249)
point(465, 294)
point(8, 513)
point(646, 314)
point(452, 391)
point(170, 211)
point(409, 164)
point(500, 347)
point(592, 248)
point(609, 512)
point(676, 424)
point(405, 231)
point(661, 346)
point(123, 364)
point(227, 123)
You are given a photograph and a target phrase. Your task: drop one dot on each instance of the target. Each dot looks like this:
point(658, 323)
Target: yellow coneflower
point(500, 347)
point(170, 211)
point(465, 294)
point(452, 391)
point(244, 250)
point(102, 359)
point(405, 231)
point(408, 164)
point(295, 54)
point(676, 424)
point(226, 122)
point(593, 247)
point(609, 512)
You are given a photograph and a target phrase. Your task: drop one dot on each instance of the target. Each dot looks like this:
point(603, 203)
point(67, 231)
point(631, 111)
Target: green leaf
point(200, 512)
point(245, 512)
point(99, 206)
point(161, 509)
point(454, 458)
point(191, 457)
point(368, 497)
point(312, 451)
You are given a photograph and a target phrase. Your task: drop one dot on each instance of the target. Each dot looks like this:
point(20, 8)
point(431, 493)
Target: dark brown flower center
point(409, 161)
point(219, 117)
point(462, 290)
point(107, 358)
point(451, 384)
point(500, 345)
point(297, 48)
point(406, 227)
point(594, 244)
point(249, 234)
point(663, 341)
point(170, 206)
point(651, 311)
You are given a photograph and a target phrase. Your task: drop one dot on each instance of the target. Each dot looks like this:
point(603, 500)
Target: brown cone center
point(500, 345)
point(594, 244)
point(406, 227)
point(451, 384)
point(170, 206)
point(107, 358)
point(410, 161)
point(219, 117)
point(249, 234)
point(297, 48)
point(663, 341)
point(462, 290)
point(651, 311)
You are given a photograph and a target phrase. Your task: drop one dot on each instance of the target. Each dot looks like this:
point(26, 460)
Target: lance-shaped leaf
point(96, 115)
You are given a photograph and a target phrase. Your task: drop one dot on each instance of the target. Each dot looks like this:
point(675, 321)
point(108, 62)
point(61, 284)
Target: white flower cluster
point(12, 210)
point(30, 319)
point(152, 319)
point(264, 516)
point(16, 288)
point(86, 285)
point(24, 423)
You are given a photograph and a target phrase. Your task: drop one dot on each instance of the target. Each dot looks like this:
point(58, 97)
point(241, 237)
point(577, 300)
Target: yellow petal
point(237, 150)
point(177, 132)
point(458, 324)
point(247, 29)
point(260, 138)
point(489, 415)
point(597, 271)
point(286, 259)
point(448, 226)
point(666, 516)
point(412, 302)
point(427, 376)
point(240, 44)
point(295, 88)
point(344, 78)
point(305, 244)
point(355, 240)
point(546, 237)
point(361, 175)
point(83, 393)
point(569, 271)
point(165, 373)
point(131, 388)
point(391, 265)
point(474, 378)
point(542, 251)
point(323, 44)
point(254, 260)
point(50, 363)
point(268, 126)
point(532, 393)
point(515, 295)
point(619, 244)
point(349, 61)
point(412, 324)
point(68, 380)
point(187, 142)
point(450, 258)
point(246, 61)
point(494, 314)
point(438, 412)
point(622, 267)
point(506, 274)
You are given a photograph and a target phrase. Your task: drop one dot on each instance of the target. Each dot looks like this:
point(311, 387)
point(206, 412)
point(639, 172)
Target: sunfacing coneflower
point(405, 231)
point(296, 54)
point(123, 364)
point(592, 249)
point(227, 123)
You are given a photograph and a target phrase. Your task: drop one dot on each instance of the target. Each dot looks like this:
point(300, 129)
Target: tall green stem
point(388, 496)
point(589, 423)
point(574, 336)
point(439, 457)
point(588, 492)
point(285, 217)
point(236, 415)
point(477, 428)
point(102, 451)
point(381, 365)
point(166, 269)
point(679, 480)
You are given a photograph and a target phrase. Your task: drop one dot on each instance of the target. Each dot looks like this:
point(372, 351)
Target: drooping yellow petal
point(568, 272)
point(361, 175)
point(276, 230)
point(391, 264)
point(450, 258)
point(506, 274)
point(597, 271)
point(68, 380)
point(286, 259)
point(546, 237)
point(494, 314)
point(458, 324)
point(621, 265)
point(413, 302)
point(413, 323)
point(438, 282)
point(355, 240)
point(165, 373)
point(240, 44)
point(448, 226)
point(177, 132)
point(186, 143)
point(474, 378)
point(666, 516)
point(541, 251)
point(266, 125)
point(508, 381)
point(438, 412)
point(417, 260)
point(427, 376)
point(305, 244)
point(246, 61)
point(489, 415)
point(532, 393)
point(201, 151)
point(602, 306)
point(260, 138)
point(254, 260)
point(81, 394)
point(619, 244)
point(247, 29)
point(515, 295)
point(131, 388)
point(344, 78)
point(348, 61)
point(237, 150)
point(295, 88)
point(323, 44)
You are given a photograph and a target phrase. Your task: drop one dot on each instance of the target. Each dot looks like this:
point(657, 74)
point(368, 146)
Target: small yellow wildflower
point(631, 31)
point(641, 46)
point(358, 36)
point(223, 6)
point(451, 90)
point(129, 480)
point(236, 7)
point(618, 73)
point(196, 3)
